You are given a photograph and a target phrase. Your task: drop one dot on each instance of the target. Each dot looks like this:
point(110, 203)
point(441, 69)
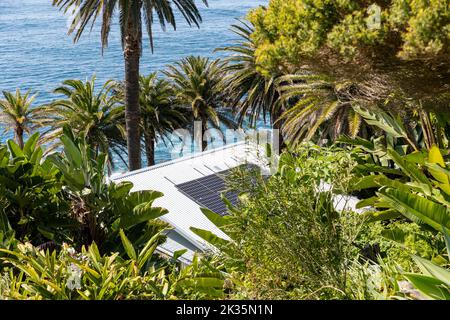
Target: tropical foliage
point(18, 115)
point(132, 14)
point(199, 87)
point(89, 275)
point(30, 194)
point(93, 114)
point(360, 211)
point(82, 237)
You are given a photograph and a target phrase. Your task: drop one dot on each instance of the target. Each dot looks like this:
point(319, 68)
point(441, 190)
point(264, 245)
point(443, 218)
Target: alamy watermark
point(260, 144)
point(373, 21)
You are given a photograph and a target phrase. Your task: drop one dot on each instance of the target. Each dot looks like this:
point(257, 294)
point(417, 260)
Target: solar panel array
point(206, 192)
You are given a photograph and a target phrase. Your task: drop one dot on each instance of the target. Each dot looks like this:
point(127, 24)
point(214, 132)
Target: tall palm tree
point(17, 113)
point(198, 84)
point(251, 93)
point(99, 117)
point(160, 115)
point(132, 13)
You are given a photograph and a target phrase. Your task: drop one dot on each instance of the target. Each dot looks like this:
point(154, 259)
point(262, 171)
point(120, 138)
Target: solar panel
point(206, 191)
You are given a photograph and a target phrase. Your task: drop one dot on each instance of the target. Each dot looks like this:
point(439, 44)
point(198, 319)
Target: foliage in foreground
point(31, 273)
point(288, 240)
point(434, 280)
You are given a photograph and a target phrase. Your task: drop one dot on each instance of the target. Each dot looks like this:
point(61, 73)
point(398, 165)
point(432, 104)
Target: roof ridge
point(181, 159)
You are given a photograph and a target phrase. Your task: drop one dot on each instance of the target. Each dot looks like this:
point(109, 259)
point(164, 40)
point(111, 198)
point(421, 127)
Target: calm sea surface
point(37, 54)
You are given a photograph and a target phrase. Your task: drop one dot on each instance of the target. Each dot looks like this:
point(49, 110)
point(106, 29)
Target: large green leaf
point(72, 152)
point(416, 208)
point(30, 145)
point(143, 196)
point(141, 213)
point(209, 237)
point(120, 190)
point(215, 218)
point(369, 202)
point(128, 246)
point(15, 149)
point(410, 169)
point(366, 182)
point(372, 216)
point(441, 175)
point(384, 121)
point(430, 269)
point(137, 207)
point(429, 286)
point(369, 167)
point(364, 144)
point(148, 250)
point(179, 253)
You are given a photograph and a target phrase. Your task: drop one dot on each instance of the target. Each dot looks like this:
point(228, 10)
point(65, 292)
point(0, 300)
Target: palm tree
point(319, 107)
point(302, 105)
point(97, 116)
point(251, 93)
point(132, 12)
point(159, 113)
point(18, 115)
point(198, 84)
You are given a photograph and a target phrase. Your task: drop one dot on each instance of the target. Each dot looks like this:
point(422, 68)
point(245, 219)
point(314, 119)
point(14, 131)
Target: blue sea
point(37, 54)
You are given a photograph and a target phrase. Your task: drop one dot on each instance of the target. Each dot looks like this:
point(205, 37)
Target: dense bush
point(30, 194)
point(288, 240)
point(31, 273)
point(398, 45)
point(82, 236)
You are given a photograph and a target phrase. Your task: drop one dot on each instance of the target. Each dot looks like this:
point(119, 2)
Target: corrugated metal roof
point(184, 212)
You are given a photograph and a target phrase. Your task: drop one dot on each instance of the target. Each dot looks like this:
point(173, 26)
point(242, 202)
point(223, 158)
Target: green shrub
point(288, 241)
point(32, 273)
point(30, 194)
point(398, 240)
point(397, 53)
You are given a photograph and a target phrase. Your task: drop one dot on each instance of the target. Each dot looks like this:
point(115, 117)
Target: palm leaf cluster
point(97, 116)
point(318, 108)
point(252, 95)
point(130, 12)
point(18, 114)
point(199, 87)
point(303, 105)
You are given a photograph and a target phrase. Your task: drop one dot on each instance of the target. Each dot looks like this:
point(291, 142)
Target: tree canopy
point(397, 46)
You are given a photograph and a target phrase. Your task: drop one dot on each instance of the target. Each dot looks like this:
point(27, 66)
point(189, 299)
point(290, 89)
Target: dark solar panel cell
point(206, 191)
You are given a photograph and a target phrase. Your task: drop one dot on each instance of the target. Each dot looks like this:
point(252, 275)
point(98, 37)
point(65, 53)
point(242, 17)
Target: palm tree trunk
point(132, 54)
point(19, 135)
point(150, 148)
point(204, 128)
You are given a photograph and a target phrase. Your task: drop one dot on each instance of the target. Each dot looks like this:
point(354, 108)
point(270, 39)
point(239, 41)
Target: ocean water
point(37, 54)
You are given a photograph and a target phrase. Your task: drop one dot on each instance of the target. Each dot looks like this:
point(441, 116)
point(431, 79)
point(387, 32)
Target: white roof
point(184, 212)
